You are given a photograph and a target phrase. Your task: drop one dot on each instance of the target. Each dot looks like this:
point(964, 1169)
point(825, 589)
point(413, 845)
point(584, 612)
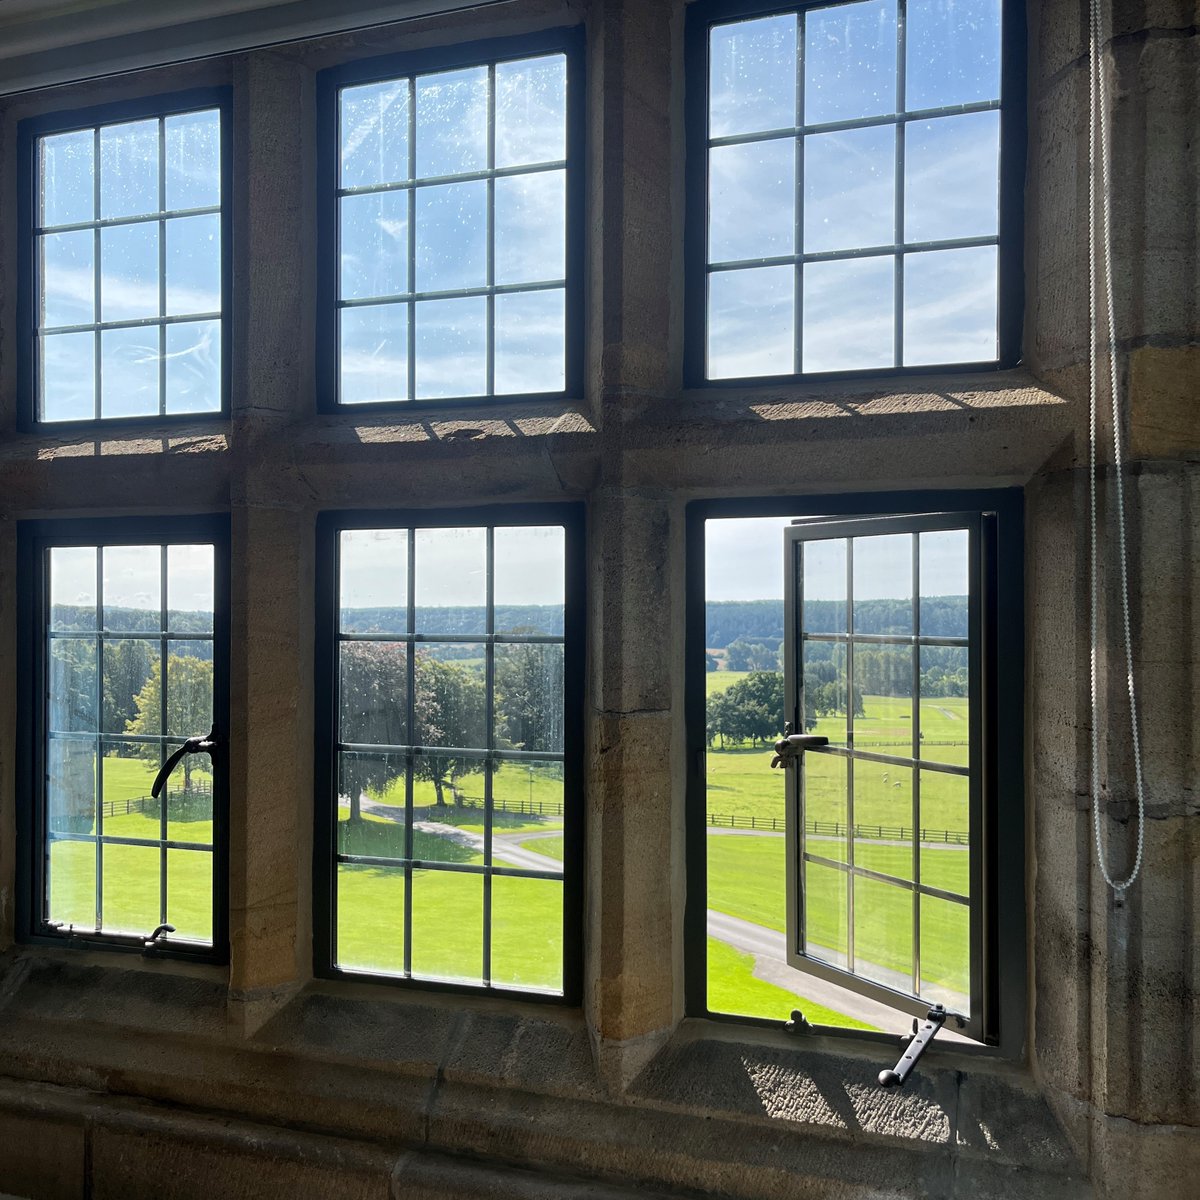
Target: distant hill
point(761, 621)
point(543, 619)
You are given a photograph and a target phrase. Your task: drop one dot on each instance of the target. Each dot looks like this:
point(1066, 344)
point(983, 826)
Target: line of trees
point(752, 710)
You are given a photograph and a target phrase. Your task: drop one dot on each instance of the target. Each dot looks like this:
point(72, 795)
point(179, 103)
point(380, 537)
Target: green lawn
point(746, 878)
point(732, 988)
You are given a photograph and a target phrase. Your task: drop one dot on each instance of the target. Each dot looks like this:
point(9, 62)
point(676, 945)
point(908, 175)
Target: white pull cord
point(1098, 149)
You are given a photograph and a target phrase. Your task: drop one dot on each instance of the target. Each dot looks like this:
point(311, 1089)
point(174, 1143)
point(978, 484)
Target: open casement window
point(885, 824)
point(124, 770)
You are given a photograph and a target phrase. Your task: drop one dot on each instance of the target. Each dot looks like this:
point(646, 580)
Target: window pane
point(447, 926)
point(824, 579)
point(129, 169)
point(527, 928)
point(68, 282)
point(189, 698)
point(189, 894)
point(752, 200)
point(194, 367)
point(529, 698)
point(527, 814)
point(67, 191)
point(951, 177)
point(530, 340)
point(68, 377)
point(531, 227)
point(883, 571)
point(372, 793)
point(451, 581)
point(849, 307)
point(129, 362)
point(73, 587)
point(450, 701)
point(945, 705)
point(72, 707)
point(883, 932)
point(193, 160)
point(447, 789)
point(132, 896)
point(883, 824)
point(373, 133)
point(132, 596)
point(373, 580)
point(452, 122)
point(133, 687)
point(946, 954)
point(950, 306)
point(129, 272)
point(451, 348)
point(825, 924)
point(451, 236)
point(945, 832)
point(825, 810)
point(850, 61)
point(374, 354)
point(752, 80)
point(530, 582)
point(373, 693)
point(953, 52)
point(531, 111)
point(374, 245)
point(850, 189)
point(190, 588)
point(945, 582)
point(189, 797)
point(194, 265)
point(750, 322)
point(370, 918)
point(72, 884)
point(71, 786)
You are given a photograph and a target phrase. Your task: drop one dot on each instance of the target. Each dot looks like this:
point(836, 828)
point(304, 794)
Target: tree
point(529, 696)
point(189, 705)
point(128, 663)
point(451, 711)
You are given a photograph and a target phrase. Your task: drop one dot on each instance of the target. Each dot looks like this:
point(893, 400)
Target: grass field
point(732, 988)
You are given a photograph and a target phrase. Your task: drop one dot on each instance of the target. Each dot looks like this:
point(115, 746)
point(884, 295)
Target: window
point(863, 882)
point(850, 156)
point(453, 187)
point(449, 741)
point(125, 634)
point(126, 269)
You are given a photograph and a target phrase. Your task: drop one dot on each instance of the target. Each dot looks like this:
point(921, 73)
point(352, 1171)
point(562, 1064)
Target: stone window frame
point(29, 131)
point(35, 538)
point(1003, 984)
point(568, 40)
point(330, 524)
point(701, 16)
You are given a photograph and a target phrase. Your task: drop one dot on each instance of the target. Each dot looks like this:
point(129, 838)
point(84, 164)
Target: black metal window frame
point(330, 525)
point(702, 16)
point(1000, 885)
point(568, 41)
point(34, 540)
point(96, 117)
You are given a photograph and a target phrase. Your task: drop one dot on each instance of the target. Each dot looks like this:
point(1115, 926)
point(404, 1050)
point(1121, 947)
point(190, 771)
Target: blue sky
point(132, 577)
point(744, 560)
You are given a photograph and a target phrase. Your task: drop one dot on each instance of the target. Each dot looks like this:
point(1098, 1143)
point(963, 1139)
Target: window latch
point(791, 747)
point(916, 1043)
point(194, 745)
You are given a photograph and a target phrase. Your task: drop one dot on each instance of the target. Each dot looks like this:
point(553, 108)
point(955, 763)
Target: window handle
point(194, 745)
point(791, 747)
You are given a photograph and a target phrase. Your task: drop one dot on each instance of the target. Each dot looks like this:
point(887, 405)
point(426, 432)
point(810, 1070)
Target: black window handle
point(194, 745)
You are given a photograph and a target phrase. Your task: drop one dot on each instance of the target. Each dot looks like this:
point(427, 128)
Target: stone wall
point(160, 1079)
